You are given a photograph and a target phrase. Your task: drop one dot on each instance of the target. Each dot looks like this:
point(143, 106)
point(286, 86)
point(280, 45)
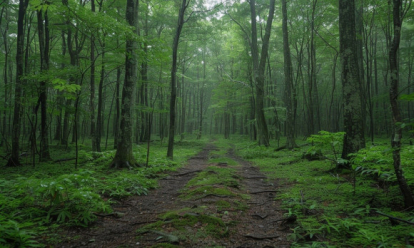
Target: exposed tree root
point(118, 164)
point(204, 196)
point(265, 191)
point(12, 163)
point(260, 238)
point(189, 172)
point(393, 219)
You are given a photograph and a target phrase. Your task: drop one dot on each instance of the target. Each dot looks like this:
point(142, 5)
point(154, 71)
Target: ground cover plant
point(35, 201)
point(339, 207)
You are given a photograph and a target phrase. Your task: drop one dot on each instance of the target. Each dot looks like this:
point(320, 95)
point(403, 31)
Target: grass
point(336, 208)
point(35, 201)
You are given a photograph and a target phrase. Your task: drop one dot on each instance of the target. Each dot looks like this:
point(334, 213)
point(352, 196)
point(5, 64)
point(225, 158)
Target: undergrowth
point(35, 201)
point(338, 208)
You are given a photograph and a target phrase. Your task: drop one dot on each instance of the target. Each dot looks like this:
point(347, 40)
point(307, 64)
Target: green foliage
point(330, 212)
point(33, 200)
point(252, 151)
point(182, 219)
point(216, 175)
point(14, 234)
point(326, 141)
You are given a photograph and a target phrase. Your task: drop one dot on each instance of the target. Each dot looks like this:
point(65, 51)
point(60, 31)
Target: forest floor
point(228, 203)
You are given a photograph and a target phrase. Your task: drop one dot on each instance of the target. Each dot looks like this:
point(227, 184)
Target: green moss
point(221, 204)
point(326, 202)
point(216, 175)
point(226, 160)
point(202, 191)
point(184, 219)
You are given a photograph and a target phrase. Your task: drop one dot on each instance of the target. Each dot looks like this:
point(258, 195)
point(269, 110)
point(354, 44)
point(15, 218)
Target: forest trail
point(201, 205)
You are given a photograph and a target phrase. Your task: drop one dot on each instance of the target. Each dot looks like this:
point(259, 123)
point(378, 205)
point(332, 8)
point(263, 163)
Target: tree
point(353, 123)
point(290, 124)
point(259, 69)
point(44, 47)
point(396, 115)
point(173, 97)
point(124, 158)
point(15, 152)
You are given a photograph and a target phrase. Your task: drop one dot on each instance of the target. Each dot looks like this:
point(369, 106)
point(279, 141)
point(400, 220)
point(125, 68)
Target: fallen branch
point(142, 222)
point(63, 160)
point(115, 214)
point(395, 218)
point(262, 217)
point(265, 191)
point(259, 177)
point(204, 196)
point(260, 238)
point(188, 172)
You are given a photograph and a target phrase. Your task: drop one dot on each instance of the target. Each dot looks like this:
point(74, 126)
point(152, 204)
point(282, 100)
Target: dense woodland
point(124, 72)
point(64, 70)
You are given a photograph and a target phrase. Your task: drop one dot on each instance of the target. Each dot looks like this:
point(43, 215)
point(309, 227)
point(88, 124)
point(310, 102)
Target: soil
point(259, 224)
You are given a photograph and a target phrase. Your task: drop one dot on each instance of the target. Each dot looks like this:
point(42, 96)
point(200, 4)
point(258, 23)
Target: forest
point(206, 123)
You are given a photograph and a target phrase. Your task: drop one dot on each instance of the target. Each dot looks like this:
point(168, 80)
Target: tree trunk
point(124, 158)
point(7, 77)
point(43, 33)
point(290, 125)
point(170, 151)
point(92, 85)
point(353, 124)
point(99, 119)
point(396, 115)
point(14, 158)
point(259, 69)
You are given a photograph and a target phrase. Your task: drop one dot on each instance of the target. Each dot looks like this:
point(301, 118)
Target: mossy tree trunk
point(396, 115)
point(44, 47)
point(14, 158)
point(290, 124)
point(353, 123)
point(259, 69)
point(124, 157)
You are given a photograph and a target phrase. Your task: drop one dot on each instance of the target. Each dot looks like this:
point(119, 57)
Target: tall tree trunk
point(7, 78)
point(396, 115)
point(170, 150)
point(99, 119)
point(353, 124)
point(43, 33)
point(124, 158)
point(290, 125)
point(259, 69)
point(14, 158)
point(92, 86)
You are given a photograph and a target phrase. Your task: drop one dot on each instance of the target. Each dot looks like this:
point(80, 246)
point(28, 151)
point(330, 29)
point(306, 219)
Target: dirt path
point(242, 213)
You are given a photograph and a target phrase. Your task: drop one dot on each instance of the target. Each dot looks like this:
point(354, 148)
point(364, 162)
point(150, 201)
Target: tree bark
point(124, 158)
point(290, 125)
point(14, 158)
point(353, 124)
point(396, 115)
point(173, 97)
point(99, 119)
point(259, 69)
point(43, 33)
point(92, 85)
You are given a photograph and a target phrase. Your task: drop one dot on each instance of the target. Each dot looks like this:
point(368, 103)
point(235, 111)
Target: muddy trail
point(201, 205)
